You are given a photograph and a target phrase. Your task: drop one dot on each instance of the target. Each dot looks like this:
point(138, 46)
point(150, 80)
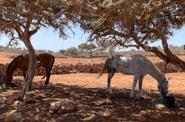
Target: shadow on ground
point(118, 109)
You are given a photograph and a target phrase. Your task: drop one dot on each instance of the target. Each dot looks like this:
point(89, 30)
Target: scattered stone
point(158, 103)
point(17, 103)
point(14, 116)
point(55, 106)
point(103, 102)
point(10, 101)
point(2, 106)
point(30, 97)
point(182, 108)
point(90, 117)
point(40, 96)
point(160, 106)
point(105, 113)
point(3, 100)
point(63, 106)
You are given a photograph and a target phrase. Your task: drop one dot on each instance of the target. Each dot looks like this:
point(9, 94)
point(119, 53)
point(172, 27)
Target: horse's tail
point(102, 71)
point(53, 60)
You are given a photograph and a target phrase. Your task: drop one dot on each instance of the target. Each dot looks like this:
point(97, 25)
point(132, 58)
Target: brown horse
point(44, 59)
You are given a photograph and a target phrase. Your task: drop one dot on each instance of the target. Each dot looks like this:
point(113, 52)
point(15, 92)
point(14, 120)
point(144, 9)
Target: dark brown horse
point(44, 59)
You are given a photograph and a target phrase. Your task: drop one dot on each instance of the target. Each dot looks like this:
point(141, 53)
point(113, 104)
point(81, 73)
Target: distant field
point(7, 57)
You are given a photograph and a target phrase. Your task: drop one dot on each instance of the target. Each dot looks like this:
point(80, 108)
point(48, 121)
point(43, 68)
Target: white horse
point(137, 65)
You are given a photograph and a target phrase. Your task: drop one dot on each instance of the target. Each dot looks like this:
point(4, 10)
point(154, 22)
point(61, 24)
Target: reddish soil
point(85, 90)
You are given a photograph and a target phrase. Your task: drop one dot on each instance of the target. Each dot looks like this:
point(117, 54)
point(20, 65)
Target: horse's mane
point(12, 63)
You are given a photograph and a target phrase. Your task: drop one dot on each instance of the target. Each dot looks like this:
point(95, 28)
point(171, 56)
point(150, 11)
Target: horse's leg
point(132, 94)
point(8, 80)
point(48, 77)
point(24, 73)
point(47, 73)
point(111, 73)
point(140, 87)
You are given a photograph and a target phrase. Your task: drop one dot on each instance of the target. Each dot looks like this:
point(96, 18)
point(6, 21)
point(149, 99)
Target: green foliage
point(18, 17)
point(3, 86)
point(72, 51)
point(131, 23)
point(87, 46)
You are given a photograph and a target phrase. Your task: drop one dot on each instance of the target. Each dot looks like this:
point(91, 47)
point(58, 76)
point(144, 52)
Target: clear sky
point(48, 39)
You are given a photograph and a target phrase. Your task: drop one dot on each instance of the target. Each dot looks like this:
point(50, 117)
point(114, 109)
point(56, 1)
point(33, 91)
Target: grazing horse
point(137, 65)
point(22, 61)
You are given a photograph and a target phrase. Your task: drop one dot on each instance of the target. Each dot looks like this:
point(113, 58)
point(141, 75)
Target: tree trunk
point(90, 53)
point(31, 68)
point(172, 58)
point(167, 56)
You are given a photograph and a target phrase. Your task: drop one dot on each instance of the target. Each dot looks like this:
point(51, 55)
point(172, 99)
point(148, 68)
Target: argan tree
point(133, 23)
point(108, 44)
point(72, 51)
point(87, 47)
point(21, 19)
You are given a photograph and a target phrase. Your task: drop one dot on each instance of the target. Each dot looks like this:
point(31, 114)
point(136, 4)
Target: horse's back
point(134, 64)
point(46, 58)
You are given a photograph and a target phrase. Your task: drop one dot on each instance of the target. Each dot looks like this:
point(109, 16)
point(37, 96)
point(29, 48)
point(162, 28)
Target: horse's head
point(163, 87)
point(3, 78)
point(7, 78)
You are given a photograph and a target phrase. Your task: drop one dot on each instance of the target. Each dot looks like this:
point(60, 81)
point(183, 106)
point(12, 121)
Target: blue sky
point(48, 39)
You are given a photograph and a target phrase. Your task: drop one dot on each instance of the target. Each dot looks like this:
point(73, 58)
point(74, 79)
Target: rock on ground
point(14, 116)
point(62, 106)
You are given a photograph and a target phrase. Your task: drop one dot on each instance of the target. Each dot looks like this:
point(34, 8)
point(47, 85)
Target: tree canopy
point(133, 23)
point(20, 19)
point(128, 23)
point(18, 16)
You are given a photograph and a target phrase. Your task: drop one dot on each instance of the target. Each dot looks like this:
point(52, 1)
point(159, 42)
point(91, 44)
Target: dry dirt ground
point(87, 91)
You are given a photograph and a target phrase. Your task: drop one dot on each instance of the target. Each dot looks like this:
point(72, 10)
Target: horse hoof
point(141, 98)
point(169, 101)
